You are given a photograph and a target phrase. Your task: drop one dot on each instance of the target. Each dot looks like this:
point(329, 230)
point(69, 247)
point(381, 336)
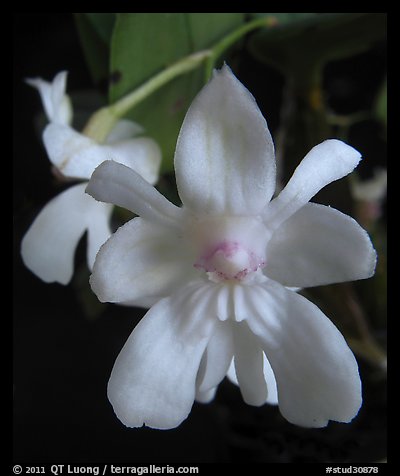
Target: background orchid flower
point(216, 272)
point(48, 247)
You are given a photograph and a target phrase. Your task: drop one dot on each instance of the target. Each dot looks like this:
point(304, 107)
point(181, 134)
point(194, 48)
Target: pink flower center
point(229, 260)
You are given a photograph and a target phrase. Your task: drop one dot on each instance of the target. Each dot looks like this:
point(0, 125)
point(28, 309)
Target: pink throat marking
point(226, 252)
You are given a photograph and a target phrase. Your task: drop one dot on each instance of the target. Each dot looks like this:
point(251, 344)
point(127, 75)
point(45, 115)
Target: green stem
point(105, 118)
point(121, 107)
point(230, 39)
point(102, 121)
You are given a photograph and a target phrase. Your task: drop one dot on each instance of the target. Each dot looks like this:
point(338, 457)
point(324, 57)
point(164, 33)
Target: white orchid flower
point(216, 272)
point(49, 245)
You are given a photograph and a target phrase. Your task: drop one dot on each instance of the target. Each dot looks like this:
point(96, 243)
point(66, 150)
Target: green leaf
point(103, 24)
point(95, 31)
point(381, 104)
point(207, 28)
point(317, 39)
point(143, 44)
point(275, 19)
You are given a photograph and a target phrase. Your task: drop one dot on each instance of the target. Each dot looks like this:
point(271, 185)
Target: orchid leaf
point(95, 30)
point(103, 24)
point(381, 104)
point(316, 39)
point(279, 19)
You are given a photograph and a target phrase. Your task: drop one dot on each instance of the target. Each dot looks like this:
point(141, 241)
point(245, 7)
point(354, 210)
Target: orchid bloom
point(218, 272)
point(49, 245)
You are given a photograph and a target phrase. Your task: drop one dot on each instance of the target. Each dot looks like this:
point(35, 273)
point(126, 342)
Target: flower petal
point(62, 142)
point(76, 155)
point(272, 395)
point(224, 159)
point(141, 154)
point(325, 163)
point(98, 227)
point(206, 397)
point(248, 362)
point(56, 103)
point(216, 359)
point(48, 247)
point(115, 183)
point(319, 245)
point(140, 261)
point(153, 379)
point(316, 372)
point(123, 129)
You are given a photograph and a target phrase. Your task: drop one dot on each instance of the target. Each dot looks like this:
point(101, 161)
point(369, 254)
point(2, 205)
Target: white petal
point(370, 190)
point(225, 309)
point(76, 155)
point(272, 396)
point(248, 362)
point(142, 155)
point(140, 261)
point(48, 247)
point(98, 227)
point(231, 374)
point(115, 183)
point(123, 129)
point(56, 103)
point(62, 143)
point(216, 359)
point(325, 163)
point(316, 372)
point(239, 303)
point(224, 159)
point(153, 379)
point(319, 245)
point(206, 397)
point(272, 392)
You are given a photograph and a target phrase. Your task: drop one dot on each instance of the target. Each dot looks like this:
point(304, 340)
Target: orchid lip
point(228, 248)
point(229, 260)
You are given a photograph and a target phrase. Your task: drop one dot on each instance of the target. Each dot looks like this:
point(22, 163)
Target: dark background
point(62, 359)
